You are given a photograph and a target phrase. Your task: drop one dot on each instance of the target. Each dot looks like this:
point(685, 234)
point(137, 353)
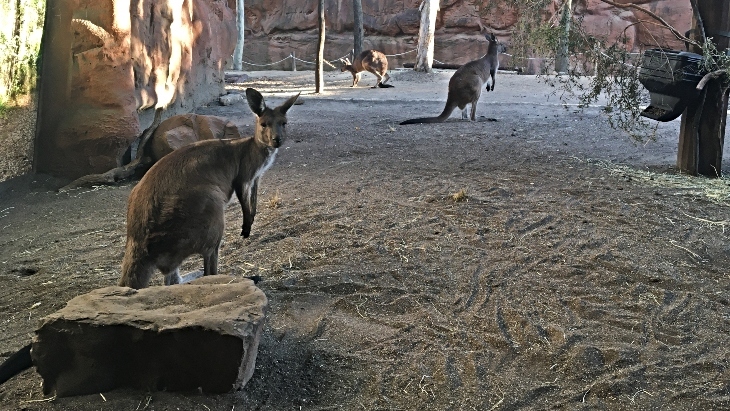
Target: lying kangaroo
point(177, 208)
point(466, 84)
point(369, 60)
point(160, 139)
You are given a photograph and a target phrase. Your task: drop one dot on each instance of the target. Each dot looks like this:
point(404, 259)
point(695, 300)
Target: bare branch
point(700, 23)
point(710, 76)
point(674, 31)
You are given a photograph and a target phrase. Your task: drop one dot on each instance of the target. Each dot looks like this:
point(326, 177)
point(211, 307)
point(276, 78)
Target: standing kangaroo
point(369, 60)
point(466, 84)
point(177, 208)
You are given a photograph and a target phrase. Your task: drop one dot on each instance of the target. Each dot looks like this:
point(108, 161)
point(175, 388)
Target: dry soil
point(534, 259)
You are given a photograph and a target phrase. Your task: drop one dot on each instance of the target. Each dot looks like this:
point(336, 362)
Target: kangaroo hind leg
point(464, 113)
point(210, 263)
point(380, 78)
point(173, 277)
point(210, 267)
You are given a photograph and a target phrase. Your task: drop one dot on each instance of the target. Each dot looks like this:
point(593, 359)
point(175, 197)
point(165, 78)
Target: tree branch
point(674, 31)
point(700, 23)
point(710, 76)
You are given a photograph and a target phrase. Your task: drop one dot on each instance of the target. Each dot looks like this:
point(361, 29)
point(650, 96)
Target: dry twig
point(674, 31)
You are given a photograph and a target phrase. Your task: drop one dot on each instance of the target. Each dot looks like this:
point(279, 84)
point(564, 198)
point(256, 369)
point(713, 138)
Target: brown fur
point(177, 209)
point(466, 84)
point(369, 60)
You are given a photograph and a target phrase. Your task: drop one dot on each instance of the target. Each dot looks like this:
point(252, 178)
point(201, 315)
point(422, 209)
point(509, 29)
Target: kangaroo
point(177, 208)
point(369, 60)
point(466, 84)
point(16, 363)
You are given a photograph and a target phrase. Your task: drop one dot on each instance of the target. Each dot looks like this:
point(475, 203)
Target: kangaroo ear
point(288, 103)
point(255, 101)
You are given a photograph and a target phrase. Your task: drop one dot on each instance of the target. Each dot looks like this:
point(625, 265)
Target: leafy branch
point(601, 67)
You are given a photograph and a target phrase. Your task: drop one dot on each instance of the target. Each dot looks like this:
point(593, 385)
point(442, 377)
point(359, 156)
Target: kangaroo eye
point(283, 124)
point(264, 125)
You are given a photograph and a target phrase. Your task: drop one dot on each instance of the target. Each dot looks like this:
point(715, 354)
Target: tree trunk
point(54, 86)
point(561, 59)
point(358, 31)
point(12, 76)
point(318, 75)
point(702, 131)
point(238, 52)
point(424, 58)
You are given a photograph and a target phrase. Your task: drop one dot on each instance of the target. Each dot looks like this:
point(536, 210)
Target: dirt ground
point(535, 259)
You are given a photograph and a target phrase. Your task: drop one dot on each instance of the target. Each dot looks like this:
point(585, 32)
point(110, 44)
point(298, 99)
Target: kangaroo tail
point(450, 106)
point(17, 363)
point(381, 85)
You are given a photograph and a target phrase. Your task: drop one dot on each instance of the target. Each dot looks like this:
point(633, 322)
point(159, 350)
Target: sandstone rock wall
point(108, 63)
point(276, 28)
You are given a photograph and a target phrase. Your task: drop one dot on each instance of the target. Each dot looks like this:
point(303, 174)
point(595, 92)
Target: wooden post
point(357, 29)
point(318, 74)
point(702, 131)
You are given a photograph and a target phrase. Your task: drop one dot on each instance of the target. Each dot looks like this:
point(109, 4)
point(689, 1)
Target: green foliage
point(715, 61)
point(601, 69)
point(21, 28)
point(614, 77)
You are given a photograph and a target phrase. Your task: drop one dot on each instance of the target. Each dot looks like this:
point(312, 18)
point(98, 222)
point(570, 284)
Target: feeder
point(671, 76)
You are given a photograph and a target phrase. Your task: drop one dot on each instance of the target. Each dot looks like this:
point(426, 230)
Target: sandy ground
point(535, 259)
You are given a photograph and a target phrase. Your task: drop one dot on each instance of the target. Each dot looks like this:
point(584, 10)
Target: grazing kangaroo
point(177, 208)
point(466, 84)
point(369, 60)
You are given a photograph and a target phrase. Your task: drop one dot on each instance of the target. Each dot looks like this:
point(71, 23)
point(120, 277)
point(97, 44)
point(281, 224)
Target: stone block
point(202, 335)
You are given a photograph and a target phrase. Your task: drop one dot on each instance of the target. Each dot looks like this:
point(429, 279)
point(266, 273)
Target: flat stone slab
point(202, 335)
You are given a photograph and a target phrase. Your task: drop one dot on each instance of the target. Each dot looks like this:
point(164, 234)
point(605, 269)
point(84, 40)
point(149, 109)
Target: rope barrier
point(400, 54)
point(309, 62)
point(329, 62)
point(264, 65)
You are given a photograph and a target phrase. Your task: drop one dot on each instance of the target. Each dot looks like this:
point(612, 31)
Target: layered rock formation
point(276, 28)
point(106, 61)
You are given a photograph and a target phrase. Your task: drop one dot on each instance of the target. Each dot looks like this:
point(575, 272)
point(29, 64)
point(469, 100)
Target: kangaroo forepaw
point(245, 232)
